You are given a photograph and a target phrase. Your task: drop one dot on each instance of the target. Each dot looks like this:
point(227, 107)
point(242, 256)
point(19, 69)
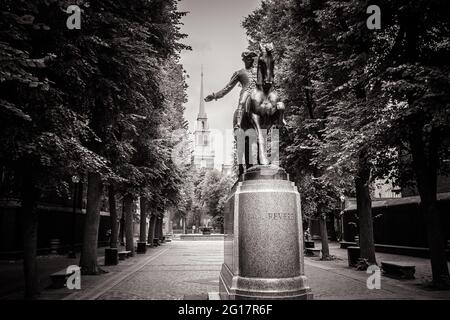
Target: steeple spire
point(204, 152)
point(201, 113)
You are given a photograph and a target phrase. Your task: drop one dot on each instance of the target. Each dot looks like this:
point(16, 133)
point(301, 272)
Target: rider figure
point(247, 79)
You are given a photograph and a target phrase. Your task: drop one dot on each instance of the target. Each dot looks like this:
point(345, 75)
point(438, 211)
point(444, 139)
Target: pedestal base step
point(232, 287)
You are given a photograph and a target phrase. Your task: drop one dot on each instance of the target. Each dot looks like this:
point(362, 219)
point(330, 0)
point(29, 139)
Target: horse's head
point(266, 64)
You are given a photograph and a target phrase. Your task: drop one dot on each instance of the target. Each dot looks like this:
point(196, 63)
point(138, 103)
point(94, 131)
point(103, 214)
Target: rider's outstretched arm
point(231, 84)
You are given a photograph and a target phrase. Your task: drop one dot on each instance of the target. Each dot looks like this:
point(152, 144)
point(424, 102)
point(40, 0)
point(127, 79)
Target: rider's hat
point(248, 54)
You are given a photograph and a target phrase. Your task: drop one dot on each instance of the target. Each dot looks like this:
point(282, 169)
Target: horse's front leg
point(262, 151)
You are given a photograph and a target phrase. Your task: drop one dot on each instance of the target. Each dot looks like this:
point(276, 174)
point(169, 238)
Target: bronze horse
point(263, 110)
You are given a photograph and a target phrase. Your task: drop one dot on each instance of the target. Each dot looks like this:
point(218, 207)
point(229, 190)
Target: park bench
point(353, 254)
point(59, 278)
point(312, 252)
point(403, 270)
point(309, 244)
point(124, 254)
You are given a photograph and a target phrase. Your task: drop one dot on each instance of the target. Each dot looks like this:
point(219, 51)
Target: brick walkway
point(335, 280)
point(172, 271)
point(190, 269)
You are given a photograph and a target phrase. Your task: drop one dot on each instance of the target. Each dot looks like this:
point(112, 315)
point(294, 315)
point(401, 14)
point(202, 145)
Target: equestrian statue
point(259, 108)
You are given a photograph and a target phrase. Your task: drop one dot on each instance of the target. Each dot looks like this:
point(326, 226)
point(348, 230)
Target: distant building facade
point(227, 169)
point(383, 188)
point(398, 223)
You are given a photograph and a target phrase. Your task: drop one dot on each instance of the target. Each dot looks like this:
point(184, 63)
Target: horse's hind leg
point(241, 109)
point(241, 169)
point(247, 151)
point(262, 151)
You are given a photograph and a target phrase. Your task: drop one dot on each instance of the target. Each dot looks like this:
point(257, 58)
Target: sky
point(217, 40)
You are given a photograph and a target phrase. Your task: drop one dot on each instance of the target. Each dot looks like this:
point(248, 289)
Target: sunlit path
point(186, 268)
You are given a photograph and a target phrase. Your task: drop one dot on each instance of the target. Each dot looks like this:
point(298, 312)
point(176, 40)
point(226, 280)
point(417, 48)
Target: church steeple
point(204, 151)
point(201, 112)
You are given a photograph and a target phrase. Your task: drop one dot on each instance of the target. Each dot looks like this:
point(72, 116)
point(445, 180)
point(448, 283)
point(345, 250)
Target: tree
point(213, 192)
point(128, 60)
point(114, 217)
point(399, 103)
point(143, 220)
point(378, 96)
point(72, 101)
point(208, 191)
point(412, 75)
point(42, 133)
point(299, 44)
point(128, 202)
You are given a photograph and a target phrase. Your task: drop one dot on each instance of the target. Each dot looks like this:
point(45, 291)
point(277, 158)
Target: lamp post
point(75, 181)
point(341, 216)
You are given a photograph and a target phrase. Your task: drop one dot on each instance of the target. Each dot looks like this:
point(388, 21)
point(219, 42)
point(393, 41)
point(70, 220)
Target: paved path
point(335, 280)
point(184, 268)
point(175, 270)
point(190, 269)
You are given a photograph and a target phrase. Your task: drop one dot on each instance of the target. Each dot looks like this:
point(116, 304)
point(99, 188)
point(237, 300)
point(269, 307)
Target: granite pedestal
point(263, 239)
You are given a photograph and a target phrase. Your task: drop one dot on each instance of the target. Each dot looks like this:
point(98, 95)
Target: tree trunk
point(324, 238)
point(113, 217)
point(157, 228)
point(88, 260)
point(161, 234)
point(122, 227)
point(30, 226)
point(425, 164)
point(309, 225)
point(151, 229)
point(364, 209)
point(127, 209)
point(143, 221)
point(198, 223)
point(436, 244)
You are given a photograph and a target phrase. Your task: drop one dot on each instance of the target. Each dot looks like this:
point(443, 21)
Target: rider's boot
point(238, 124)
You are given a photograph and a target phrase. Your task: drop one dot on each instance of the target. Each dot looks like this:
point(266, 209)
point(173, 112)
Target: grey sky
point(217, 40)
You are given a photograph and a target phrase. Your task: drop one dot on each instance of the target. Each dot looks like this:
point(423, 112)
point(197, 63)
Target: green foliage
point(210, 189)
point(351, 90)
point(106, 98)
point(213, 190)
point(299, 42)
point(362, 264)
